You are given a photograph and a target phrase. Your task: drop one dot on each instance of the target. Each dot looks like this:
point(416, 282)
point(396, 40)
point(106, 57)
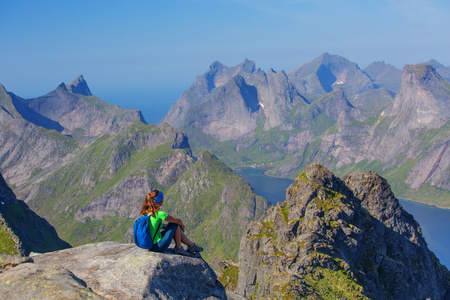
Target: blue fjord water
point(434, 221)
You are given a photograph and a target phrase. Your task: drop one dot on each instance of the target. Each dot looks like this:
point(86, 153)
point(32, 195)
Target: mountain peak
point(79, 86)
point(216, 65)
point(435, 64)
point(423, 98)
point(247, 65)
point(62, 86)
point(421, 73)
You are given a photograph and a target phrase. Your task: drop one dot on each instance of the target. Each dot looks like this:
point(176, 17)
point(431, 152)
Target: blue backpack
point(141, 232)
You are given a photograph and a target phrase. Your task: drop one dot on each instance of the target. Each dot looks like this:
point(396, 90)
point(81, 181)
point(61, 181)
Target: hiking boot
point(194, 248)
point(181, 251)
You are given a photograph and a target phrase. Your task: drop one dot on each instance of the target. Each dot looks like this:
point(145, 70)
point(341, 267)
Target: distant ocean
point(153, 105)
point(433, 221)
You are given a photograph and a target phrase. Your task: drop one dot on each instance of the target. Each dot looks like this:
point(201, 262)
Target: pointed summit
point(62, 86)
point(435, 64)
point(247, 66)
point(323, 73)
point(422, 101)
point(79, 86)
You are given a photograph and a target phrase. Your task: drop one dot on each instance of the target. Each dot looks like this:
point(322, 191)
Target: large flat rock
point(114, 271)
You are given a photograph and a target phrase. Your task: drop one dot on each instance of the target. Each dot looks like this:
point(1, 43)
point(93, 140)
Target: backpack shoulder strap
point(159, 226)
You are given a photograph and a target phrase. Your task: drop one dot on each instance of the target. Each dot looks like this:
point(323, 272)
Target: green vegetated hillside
point(330, 112)
point(98, 194)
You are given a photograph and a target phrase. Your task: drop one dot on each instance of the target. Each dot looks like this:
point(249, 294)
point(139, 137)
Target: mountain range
point(395, 122)
point(87, 165)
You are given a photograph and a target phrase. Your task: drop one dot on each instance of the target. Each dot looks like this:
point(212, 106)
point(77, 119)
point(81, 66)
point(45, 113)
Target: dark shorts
point(167, 236)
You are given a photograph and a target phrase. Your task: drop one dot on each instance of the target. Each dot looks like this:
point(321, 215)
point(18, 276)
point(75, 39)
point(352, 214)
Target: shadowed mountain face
point(350, 238)
point(21, 230)
point(327, 111)
point(321, 75)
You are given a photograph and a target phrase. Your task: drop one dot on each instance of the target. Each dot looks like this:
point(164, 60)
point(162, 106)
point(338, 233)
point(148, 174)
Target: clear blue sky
point(157, 48)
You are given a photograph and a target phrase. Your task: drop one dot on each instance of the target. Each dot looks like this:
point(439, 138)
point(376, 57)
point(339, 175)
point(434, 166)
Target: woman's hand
point(176, 221)
point(181, 225)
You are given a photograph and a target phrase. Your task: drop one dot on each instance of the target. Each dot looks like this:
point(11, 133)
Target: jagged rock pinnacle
point(79, 86)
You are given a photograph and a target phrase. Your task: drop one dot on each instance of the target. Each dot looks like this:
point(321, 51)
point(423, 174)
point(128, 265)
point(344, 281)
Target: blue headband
point(159, 198)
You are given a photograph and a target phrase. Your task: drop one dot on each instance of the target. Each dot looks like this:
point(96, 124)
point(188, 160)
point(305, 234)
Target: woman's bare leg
point(185, 240)
point(177, 237)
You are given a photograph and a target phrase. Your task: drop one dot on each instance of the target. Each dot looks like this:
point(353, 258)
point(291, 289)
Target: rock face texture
point(347, 239)
point(108, 271)
point(21, 230)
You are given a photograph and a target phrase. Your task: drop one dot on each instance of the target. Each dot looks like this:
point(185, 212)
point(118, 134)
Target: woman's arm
point(175, 220)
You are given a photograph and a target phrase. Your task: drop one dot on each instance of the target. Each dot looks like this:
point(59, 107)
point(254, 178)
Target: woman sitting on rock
point(174, 230)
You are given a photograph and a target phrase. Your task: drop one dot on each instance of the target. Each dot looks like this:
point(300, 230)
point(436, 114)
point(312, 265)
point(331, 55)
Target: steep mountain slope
point(21, 230)
point(338, 239)
point(27, 150)
point(373, 100)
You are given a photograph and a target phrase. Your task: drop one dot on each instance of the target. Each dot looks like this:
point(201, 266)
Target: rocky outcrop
point(108, 271)
point(347, 238)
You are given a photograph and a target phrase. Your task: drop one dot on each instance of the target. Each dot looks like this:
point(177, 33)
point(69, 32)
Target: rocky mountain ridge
point(72, 110)
point(326, 111)
point(347, 239)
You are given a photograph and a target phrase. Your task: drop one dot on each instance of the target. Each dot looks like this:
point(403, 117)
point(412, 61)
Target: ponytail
point(150, 206)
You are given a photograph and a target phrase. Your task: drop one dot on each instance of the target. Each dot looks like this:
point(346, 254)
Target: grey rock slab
point(124, 271)
point(32, 281)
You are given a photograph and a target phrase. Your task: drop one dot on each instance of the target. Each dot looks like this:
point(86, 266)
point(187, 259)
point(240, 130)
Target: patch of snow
point(262, 105)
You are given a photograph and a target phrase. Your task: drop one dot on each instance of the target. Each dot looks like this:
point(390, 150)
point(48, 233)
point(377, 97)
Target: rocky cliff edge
point(107, 270)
